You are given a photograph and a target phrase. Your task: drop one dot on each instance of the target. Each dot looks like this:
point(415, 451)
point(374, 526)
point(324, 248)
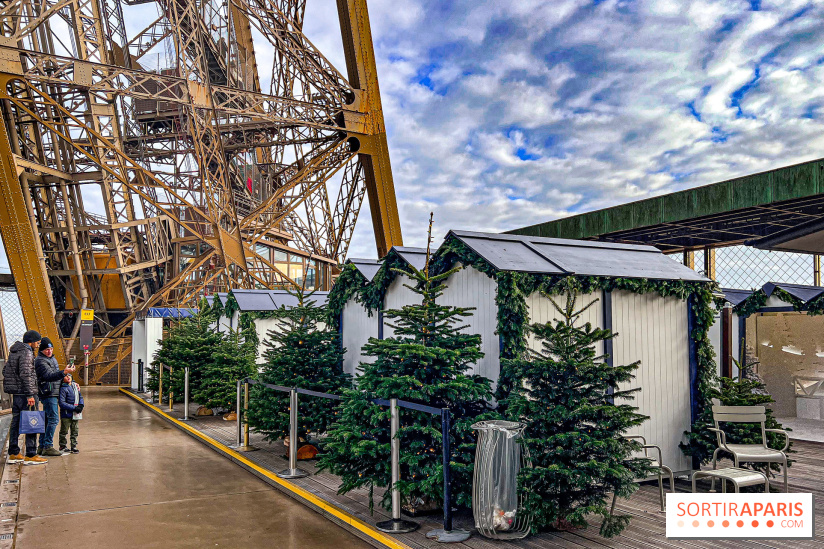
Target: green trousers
point(67, 423)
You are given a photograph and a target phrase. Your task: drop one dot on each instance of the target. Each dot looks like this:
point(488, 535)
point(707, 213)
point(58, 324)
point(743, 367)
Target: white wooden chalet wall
point(653, 329)
point(358, 327)
point(542, 310)
point(397, 295)
point(472, 288)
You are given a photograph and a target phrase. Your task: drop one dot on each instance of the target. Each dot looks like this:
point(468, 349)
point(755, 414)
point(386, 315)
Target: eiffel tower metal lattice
point(129, 183)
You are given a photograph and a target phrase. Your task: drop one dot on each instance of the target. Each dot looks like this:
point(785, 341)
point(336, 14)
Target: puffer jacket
point(19, 377)
point(66, 400)
point(49, 376)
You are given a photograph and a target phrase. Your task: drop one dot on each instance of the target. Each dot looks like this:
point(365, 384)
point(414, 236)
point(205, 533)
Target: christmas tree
point(189, 342)
point(300, 352)
point(748, 390)
point(232, 359)
point(425, 362)
point(575, 413)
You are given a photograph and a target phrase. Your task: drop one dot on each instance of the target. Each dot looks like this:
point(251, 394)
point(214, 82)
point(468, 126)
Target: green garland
point(513, 313)
point(371, 296)
point(231, 305)
point(217, 307)
point(350, 283)
point(758, 299)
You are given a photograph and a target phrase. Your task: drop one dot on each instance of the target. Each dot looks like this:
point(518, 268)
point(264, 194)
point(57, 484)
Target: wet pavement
point(139, 482)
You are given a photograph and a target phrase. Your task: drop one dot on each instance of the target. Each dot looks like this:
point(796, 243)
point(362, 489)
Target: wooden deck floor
point(646, 527)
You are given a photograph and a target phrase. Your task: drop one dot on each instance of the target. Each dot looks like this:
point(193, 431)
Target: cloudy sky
point(503, 114)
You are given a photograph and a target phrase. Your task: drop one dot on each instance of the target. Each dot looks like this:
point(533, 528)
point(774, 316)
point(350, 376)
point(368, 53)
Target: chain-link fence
point(13, 321)
point(746, 268)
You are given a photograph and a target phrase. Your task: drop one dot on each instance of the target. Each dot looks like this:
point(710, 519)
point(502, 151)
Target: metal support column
point(816, 270)
point(396, 525)
point(709, 263)
point(293, 471)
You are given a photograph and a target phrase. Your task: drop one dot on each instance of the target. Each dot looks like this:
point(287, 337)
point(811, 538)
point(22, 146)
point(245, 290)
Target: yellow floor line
point(346, 517)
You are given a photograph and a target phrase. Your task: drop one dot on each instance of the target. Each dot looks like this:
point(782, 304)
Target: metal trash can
point(495, 500)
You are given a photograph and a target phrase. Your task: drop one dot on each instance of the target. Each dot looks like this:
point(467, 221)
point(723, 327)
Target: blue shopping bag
point(32, 422)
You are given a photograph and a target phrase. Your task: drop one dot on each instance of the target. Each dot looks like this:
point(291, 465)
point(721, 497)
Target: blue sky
point(503, 114)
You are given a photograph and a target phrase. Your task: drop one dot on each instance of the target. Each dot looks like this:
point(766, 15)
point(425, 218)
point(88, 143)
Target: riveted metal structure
point(126, 185)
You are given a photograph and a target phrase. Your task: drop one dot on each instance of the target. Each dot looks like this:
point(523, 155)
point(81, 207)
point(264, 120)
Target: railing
point(395, 525)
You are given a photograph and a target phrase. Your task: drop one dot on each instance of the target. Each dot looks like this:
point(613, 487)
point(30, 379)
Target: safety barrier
point(396, 524)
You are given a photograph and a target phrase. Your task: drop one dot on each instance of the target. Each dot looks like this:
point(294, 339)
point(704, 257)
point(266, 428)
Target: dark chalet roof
point(367, 267)
point(532, 254)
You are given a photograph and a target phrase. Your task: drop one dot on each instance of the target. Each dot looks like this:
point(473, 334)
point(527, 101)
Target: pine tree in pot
point(232, 359)
point(188, 342)
point(300, 352)
point(425, 361)
point(575, 414)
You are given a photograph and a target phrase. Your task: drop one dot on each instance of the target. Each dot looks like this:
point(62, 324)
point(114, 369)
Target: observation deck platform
point(140, 483)
point(646, 529)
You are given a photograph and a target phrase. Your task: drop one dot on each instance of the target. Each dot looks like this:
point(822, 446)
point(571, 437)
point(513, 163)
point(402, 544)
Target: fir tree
point(748, 390)
point(302, 353)
point(232, 359)
point(425, 362)
point(189, 342)
point(570, 400)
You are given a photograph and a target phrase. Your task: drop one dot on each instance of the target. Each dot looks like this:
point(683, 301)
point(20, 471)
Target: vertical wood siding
point(654, 330)
point(397, 295)
point(541, 310)
point(358, 327)
point(471, 288)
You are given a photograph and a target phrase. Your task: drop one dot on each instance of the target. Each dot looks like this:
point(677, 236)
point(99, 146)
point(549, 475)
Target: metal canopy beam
point(722, 214)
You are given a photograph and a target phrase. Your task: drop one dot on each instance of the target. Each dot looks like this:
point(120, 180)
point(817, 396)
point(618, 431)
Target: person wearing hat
point(20, 381)
point(49, 377)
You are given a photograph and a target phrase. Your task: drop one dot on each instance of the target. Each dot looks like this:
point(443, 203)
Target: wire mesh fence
point(13, 321)
point(746, 268)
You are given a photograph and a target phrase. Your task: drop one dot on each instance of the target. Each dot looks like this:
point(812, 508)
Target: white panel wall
point(154, 333)
point(138, 349)
point(398, 295)
point(358, 327)
point(654, 330)
point(541, 310)
point(471, 288)
point(262, 327)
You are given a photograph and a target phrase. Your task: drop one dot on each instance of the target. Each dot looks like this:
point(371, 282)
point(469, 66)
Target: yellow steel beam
point(20, 240)
point(374, 153)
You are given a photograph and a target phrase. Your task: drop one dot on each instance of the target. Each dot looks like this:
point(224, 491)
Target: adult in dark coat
point(20, 381)
point(49, 377)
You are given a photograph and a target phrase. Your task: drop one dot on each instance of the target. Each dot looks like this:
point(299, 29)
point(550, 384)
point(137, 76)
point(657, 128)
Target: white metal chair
point(751, 453)
point(656, 464)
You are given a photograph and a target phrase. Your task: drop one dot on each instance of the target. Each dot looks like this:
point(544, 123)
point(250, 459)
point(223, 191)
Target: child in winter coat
point(71, 411)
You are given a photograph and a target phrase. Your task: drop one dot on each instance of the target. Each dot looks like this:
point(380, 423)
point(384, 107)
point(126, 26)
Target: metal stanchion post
point(293, 471)
point(160, 384)
point(396, 525)
point(237, 412)
point(246, 447)
point(186, 394)
point(171, 392)
point(139, 375)
point(447, 534)
point(86, 368)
